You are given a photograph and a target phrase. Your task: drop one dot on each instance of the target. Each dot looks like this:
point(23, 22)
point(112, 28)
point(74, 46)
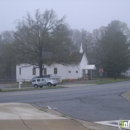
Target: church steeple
point(81, 48)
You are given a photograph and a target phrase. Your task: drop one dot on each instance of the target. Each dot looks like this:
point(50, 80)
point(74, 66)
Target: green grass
point(12, 89)
point(110, 80)
point(28, 86)
point(23, 85)
point(63, 115)
point(41, 109)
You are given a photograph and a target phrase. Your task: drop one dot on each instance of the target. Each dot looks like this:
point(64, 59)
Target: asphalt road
point(91, 103)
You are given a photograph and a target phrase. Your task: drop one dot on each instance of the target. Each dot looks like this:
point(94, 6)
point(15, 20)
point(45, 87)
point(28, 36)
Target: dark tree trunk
point(40, 69)
point(40, 62)
point(40, 58)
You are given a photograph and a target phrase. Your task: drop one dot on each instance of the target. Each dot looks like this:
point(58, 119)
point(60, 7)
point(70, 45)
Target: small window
point(45, 71)
point(76, 71)
point(69, 71)
point(55, 70)
point(38, 80)
point(19, 70)
point(34, 80)
point(43, 79)
point(34, 71)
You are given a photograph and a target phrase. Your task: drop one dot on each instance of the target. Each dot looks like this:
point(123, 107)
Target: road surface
point(90, 103)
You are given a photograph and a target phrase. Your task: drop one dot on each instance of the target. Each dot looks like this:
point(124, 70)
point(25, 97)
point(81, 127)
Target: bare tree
point(7, 55)
point(44, 39)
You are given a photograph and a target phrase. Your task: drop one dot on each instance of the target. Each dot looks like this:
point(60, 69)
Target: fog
point(81, 14)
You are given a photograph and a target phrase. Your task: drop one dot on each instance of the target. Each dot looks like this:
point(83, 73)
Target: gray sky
point(86, 14)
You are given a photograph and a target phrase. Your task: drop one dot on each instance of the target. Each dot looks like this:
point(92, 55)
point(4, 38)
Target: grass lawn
point(110, 80)
point(23, 85)
point(26, 87)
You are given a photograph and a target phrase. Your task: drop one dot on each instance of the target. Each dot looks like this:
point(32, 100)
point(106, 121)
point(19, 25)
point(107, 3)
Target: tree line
point(44, 39)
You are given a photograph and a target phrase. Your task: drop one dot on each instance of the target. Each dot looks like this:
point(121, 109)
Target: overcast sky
point(86, 14)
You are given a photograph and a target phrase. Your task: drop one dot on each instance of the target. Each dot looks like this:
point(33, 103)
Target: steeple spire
point(81, 48)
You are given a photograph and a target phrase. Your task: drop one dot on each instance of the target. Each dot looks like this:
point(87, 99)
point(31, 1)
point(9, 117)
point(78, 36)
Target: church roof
point(76, 57)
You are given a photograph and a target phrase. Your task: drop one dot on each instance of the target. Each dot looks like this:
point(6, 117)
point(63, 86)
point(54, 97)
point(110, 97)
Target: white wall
point(63, 71)
point(127, 73)
point(26, 72)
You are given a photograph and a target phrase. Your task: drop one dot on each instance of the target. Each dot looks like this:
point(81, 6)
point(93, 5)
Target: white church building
point(25, 72)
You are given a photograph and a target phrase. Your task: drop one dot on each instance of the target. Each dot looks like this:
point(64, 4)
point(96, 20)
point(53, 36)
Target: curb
point(126, 95)
point(86, 124)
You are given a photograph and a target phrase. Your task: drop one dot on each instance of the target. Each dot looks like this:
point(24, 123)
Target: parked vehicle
point(40, 82)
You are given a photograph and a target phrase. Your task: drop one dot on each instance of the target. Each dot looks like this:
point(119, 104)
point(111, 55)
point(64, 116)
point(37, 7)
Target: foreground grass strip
point(108, 81)
point(28, 89)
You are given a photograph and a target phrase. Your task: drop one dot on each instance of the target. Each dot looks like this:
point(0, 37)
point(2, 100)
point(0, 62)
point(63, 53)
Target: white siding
point(127, 73)
point(62, 71)
point(26, 72)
